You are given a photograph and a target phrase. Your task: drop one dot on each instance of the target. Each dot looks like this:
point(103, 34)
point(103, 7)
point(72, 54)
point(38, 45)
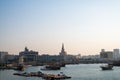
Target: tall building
point(63, 53)
point(116, 54)
point(29, 55)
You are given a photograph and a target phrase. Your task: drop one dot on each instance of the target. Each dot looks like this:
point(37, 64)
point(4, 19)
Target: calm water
point(77, 72)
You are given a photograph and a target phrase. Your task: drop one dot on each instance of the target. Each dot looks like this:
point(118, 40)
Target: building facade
point(3, 56)
point(29, 56)
point(116, 54)
point(106, 54)
point(50, 58)
point(12, 58)
point(63, 53)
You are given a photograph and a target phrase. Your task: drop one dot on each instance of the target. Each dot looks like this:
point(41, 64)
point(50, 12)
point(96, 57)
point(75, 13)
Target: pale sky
point(84, 26)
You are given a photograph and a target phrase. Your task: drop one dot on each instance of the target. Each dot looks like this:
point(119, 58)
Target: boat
point(30, 74)
point(55, 76)
point(107, 67)
point(43, 75)
point(116, 63)
point(51, 67)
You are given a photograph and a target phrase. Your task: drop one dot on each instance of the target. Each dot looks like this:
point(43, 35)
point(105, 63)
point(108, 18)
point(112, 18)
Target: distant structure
point(53, 58)
point(116, 54)
point(3, 56)
point(21, 60)
point(63, 53)
point(29, 56)
point(50, 58)
point(88, 57)
point(106, 54)
point(12, 58)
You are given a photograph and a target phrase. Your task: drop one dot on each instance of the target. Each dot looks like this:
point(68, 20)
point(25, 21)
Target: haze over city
point(84, 26)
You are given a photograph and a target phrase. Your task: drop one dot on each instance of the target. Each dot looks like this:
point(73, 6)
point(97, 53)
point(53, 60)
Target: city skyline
point(84, 26)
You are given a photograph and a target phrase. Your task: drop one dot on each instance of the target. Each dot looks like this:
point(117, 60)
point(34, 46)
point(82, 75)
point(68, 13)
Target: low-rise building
point(50, 58)
point(12, 58)
point(3, 56)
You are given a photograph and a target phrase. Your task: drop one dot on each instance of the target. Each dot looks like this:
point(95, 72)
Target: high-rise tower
point(63, 53)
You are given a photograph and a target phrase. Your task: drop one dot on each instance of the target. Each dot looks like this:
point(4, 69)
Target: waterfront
point(77, 72)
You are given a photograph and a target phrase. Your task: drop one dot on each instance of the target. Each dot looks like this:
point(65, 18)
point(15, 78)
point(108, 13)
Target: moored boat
point(116, 63)
point(44, 75)
point(55, 76)
point(52, 67)
point(107, 67)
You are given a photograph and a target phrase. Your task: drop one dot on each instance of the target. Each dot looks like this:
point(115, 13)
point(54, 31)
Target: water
point(77, 72)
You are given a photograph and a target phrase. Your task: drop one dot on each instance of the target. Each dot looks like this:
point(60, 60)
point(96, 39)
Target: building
point(21, 60)
point(63, 53)
point(106, 54)
point(12, 58)
point(116, 54)
point(78, 56)
point(28, 56)
point(50, 58)
point(93, 57)
point(53, 58)
point(3, 56)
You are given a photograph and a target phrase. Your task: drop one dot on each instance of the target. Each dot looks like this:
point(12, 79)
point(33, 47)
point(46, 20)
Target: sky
point(84, 26)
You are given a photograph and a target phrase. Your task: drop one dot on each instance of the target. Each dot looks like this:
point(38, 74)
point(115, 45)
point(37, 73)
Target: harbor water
point(77, 72)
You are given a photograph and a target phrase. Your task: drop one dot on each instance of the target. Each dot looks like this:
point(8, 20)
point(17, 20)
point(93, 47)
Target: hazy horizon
point(84, 26)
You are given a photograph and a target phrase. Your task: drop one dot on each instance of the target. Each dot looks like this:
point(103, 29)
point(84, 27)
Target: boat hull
point(108, 67)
